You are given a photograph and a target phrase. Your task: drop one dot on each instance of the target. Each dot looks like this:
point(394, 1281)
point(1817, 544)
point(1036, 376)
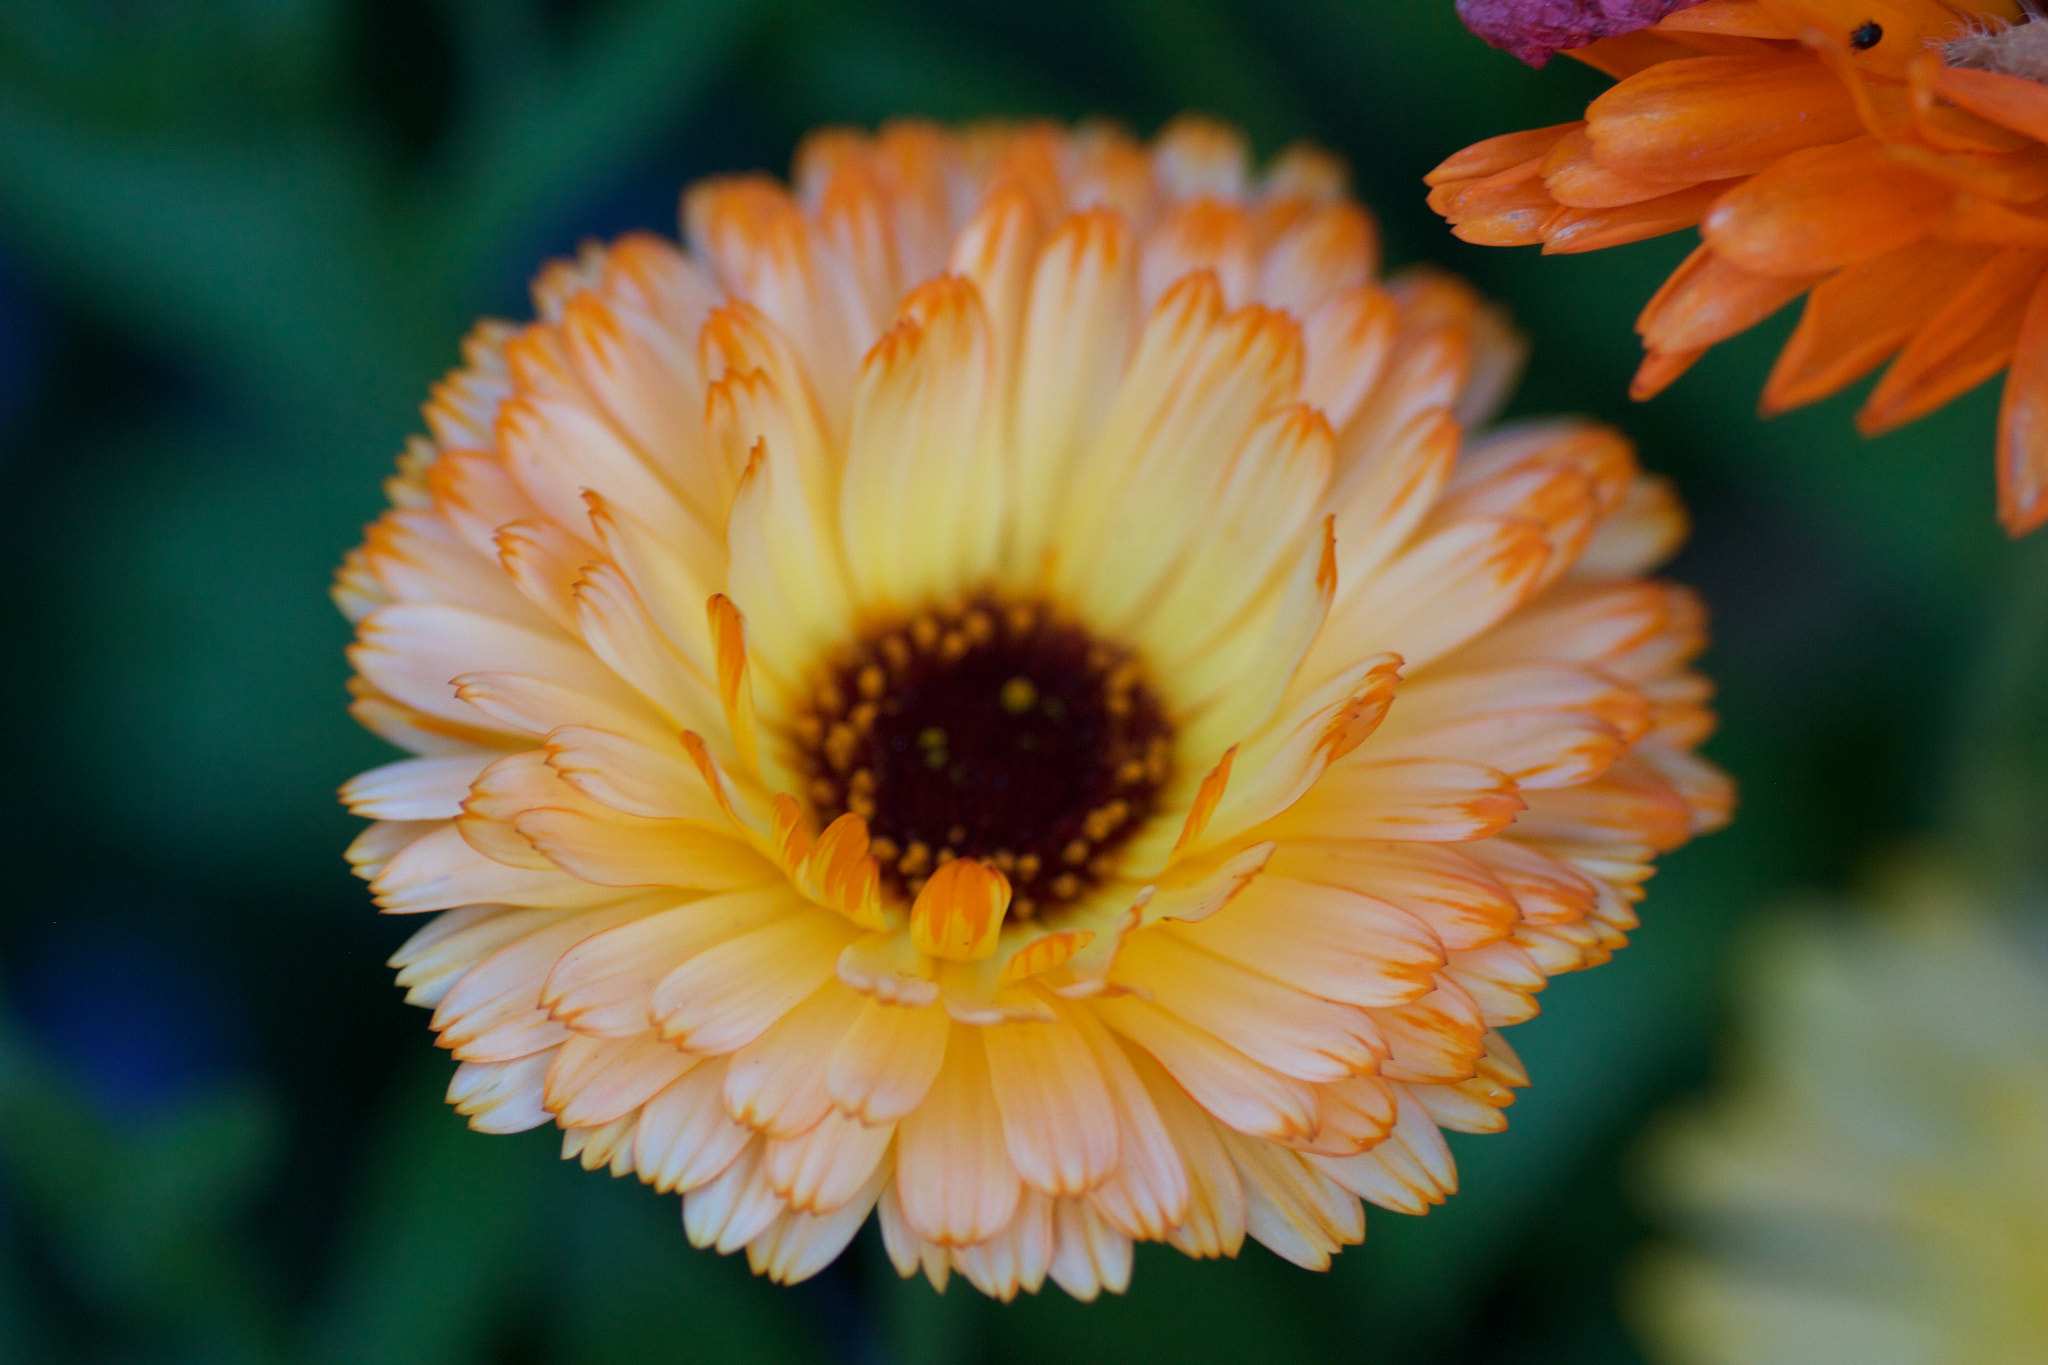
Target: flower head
point(1874, 1184)
point(986, 688)
point(1886, 160)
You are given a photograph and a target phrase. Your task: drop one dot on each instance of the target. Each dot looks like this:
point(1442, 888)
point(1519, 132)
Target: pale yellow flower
point(902, 686)
point(1871, 1187)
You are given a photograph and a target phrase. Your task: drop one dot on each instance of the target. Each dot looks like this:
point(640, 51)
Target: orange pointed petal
point(1709, 299)
point(1960, 347)
point(1823, 208)
point(1859, 316)
point(959, 913)
point(1710, 118)
point(2009, 101)
point(2023, 425)
point(1498, 154)
point(1573, 230)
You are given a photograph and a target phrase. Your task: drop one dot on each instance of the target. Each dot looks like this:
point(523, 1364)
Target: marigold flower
point(1884, 158)
point(904, 690)
point(1870, 1187)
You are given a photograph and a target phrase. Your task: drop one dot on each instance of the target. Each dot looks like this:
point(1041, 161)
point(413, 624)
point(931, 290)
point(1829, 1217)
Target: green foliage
point(258, 230)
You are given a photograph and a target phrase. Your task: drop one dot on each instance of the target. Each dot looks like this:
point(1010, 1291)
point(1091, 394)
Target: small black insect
point(1866, 37)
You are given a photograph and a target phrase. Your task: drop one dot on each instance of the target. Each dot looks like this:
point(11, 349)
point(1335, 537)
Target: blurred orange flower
point(1885, 158)
point(987, 689)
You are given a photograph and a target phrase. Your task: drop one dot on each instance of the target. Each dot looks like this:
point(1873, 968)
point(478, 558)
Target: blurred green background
point(238, 238)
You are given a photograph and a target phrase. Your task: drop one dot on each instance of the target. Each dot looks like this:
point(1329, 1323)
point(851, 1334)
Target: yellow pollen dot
point(1027, 867)
point(917, 859)
point(1076, 851)
point(1018, 696)
point(872, 681)
point(1066, 886)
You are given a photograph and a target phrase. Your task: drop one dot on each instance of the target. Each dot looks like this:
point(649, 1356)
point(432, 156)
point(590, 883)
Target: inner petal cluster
point(988, 729)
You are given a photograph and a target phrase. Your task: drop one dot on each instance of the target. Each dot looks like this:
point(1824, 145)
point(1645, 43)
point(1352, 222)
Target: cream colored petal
point(604, 985)
point(612, 849)
point(672, 581)
point(1059, 1121)
point(1449, 588)
point(1288, 758)
point(494, 1012)
point(1017, 1258)
point(1502, 979)
point(1088, 1255)
point(1272, 1023)
point(685, 1137)
point(764, 250)
point(837, 1160)
point(798, 1245)
point(921, 497)
point(534, 707)
point(1239, 1091)
point(1077, 336)
point(1263, 519)
point(885, 1065)
point(557, 448)
point(1201, 235)
point(1328, 250)
point(1294, 1209)
point(1347, 340)
point(594, 1081)
point(645, 379)
point(1437, 1038)
point(632, 777)
point(414, 653)
point(776, 1083)
point(1199, 384)
point(1431, 800)
point(415, 555)
point(615, 623)
point(501, 1097)
point(1214, 1222)
point(954, 1178)
point(1462, 904)
point(1195, 157)
point(734, 1208)
point(1331, 942)
point(1388, 477)
point(727, 996)
point(415, 788)
point(441, 870)
point(786, 573)
point(1642, 533)
point(434, 958)
point(1147, 1193)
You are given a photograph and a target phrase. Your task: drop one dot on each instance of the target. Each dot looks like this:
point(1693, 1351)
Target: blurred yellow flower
point(902, 684)
point(1873, 1186)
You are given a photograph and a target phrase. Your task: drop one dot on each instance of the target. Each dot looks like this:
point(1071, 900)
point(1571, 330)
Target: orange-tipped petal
point(1576, 178)
point(1960, 347)
point(1862, 314)
point(1497, 154)
point(2023, 425)
point(1659, 371)
point(1823, 208)
point(1709, 118)
point(959, 913)
point(1575, 230)
point(1709, 299)
point(2008, 101)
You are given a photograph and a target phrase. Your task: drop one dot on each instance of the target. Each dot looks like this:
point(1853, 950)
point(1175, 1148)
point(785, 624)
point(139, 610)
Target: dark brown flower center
point(988, 729)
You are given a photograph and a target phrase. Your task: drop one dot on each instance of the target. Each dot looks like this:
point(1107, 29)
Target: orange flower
point(987, 687)
point(1885, 158)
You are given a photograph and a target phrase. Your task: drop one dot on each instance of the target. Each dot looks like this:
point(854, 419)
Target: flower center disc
point(988, 730)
